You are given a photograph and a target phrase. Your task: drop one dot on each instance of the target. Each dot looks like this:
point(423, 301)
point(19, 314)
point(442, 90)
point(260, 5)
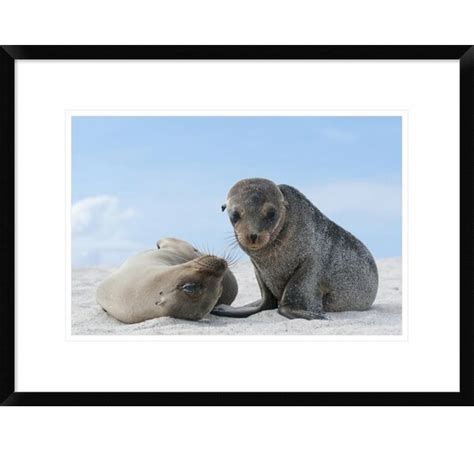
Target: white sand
point(385, 317)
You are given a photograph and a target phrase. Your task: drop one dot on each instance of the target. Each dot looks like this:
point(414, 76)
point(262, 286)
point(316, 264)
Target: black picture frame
point(9, 54)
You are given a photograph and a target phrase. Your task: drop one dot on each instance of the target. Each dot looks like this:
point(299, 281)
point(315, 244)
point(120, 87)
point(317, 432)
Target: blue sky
point(137, 179)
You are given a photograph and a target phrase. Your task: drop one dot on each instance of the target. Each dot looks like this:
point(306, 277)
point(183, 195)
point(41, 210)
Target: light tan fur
point(150, 284)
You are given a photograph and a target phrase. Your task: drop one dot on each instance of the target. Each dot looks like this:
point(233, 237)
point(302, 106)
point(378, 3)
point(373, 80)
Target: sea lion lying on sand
point(173, 280)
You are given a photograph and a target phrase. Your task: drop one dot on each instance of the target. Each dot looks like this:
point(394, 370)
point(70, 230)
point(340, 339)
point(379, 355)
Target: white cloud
point(375, 199)
point(98, 214)
point(99, 231)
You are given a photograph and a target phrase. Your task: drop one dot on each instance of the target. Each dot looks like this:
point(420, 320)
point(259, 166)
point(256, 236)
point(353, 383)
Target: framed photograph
point(236, 225)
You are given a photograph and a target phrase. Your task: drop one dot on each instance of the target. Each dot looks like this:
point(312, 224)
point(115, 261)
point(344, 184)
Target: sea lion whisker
point(230, 257)
point(231, 243)
point(232, 253)
point(234, 247)
point(180, 259)
point(206, 267)
point(232, 262)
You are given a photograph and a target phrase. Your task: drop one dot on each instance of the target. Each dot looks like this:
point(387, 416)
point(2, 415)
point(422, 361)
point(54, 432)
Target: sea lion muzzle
point(211, 264)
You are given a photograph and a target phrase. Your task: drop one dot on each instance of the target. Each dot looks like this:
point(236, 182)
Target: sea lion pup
point(304, 263)
point(173, 280)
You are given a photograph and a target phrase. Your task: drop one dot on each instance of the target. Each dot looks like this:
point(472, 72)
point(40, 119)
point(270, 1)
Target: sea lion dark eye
point(271, 215)
point(235, 217)
point(191, 288)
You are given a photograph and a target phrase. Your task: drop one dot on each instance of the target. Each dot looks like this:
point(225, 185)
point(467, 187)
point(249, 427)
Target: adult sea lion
point(305, 264)
point(173, 280)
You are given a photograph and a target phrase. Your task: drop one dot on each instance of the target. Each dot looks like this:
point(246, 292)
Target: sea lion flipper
point(292, 313)
point(268, 299)
point(301, 298)
point(230, 289)
point(223, 310)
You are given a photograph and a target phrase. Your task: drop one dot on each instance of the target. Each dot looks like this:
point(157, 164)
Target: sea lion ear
point(285, 202)
point(223, 207)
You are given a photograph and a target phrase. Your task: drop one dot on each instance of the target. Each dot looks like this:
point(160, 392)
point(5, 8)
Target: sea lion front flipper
point(292, 313)
point(268, 301)
point(301, 298)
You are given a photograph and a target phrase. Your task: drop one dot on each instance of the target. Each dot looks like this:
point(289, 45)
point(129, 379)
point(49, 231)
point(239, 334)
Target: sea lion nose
point(220, 266)
point(212, 264)
point(253, 237)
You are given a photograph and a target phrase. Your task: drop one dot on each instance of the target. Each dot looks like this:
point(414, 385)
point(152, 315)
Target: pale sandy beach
point(384, 318)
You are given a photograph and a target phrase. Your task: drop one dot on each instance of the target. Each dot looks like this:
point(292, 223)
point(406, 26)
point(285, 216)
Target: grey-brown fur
point(309, 264)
